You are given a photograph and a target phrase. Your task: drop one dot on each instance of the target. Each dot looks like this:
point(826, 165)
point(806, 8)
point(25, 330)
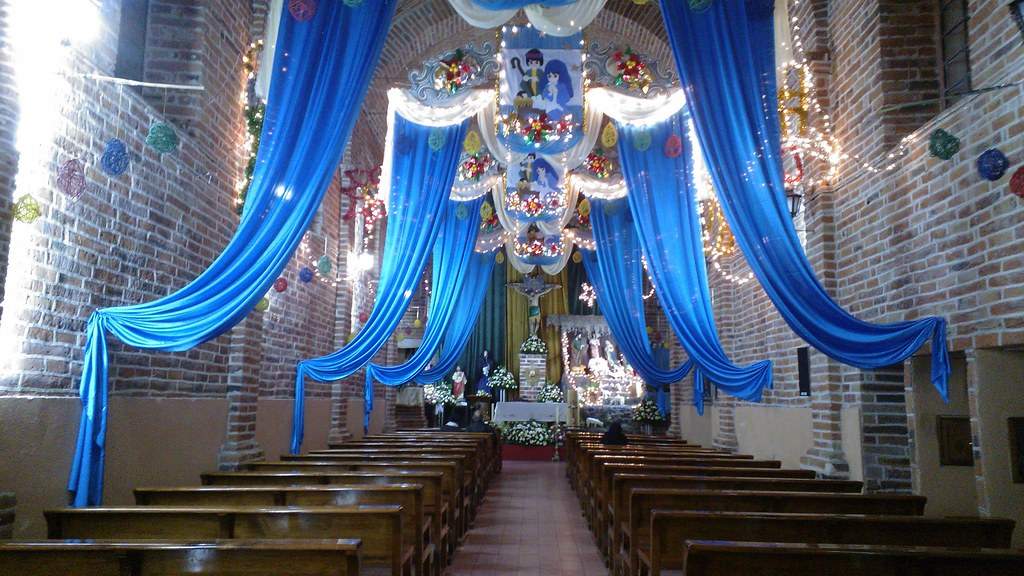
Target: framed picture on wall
point(955, 445)
point(1016, 428)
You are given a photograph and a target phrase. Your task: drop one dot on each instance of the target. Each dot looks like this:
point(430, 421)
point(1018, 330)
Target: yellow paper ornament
point(471, 145)
point(609, 136)
point(577, 257)
point(499, 257)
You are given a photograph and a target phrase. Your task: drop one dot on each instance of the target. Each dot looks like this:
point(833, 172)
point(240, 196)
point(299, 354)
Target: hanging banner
point(541, 91)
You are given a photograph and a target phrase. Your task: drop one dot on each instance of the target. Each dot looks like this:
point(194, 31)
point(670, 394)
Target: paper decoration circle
point(577, 257)
point(306, 275)
point(302, 10)
point(162, 138)
point(461, 212)
point(1017, 182)
point(499, 257)
point(324, 265)
point(417, 323)
point(26, 209)
point(943, 145)
point(115, 157)
point(609, 136)
point(71, 178)
point(363, 317)
point(673, 146)
point(263, 304)
point(436, 139)
point(642, 140)
point(699, 5)
point(471, 145)
point(992, 164)
point(280, 285)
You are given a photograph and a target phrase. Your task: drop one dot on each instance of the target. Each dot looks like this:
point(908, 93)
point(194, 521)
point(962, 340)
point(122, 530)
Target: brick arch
point(428, 28)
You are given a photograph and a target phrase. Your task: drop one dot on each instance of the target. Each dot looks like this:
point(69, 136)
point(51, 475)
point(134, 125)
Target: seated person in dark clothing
point(478, 424)
point(614, 436)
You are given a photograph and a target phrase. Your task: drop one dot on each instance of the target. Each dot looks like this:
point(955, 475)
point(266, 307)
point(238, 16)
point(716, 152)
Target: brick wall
point(929, 237)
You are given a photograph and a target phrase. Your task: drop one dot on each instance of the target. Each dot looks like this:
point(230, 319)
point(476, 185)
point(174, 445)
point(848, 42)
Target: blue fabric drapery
point(489, 331)
point(311, 109)
point(421, 180)
point(725, 56)
point(453, 251)
point(616, 271)
point(664, 206)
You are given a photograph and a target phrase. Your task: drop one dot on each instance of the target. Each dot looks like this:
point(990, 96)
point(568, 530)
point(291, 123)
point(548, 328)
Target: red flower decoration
point(280, 285)
point(1017, 182)
point(302, 10)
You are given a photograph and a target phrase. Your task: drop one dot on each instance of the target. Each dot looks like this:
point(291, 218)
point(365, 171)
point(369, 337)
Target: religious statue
point(579, 348)
point(596, 365)
point(459, 384)
point(483, 385)
point(533, 287)
point(610, 355)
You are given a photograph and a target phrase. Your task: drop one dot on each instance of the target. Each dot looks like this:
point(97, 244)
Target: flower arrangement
point(632, 71)
point(455, 72)
point(533, 345)
point(503, 379)
point(440, 393)
point(488, 218)
point(474, 167)
point(530, 433)
point(598, 164)
point(363, 192)
point(538, 130)
point(538, 247)
point(646, 412)
point(525, 201)
point(550, 393)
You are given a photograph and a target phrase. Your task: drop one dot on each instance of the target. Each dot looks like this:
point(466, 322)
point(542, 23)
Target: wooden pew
point(472, 475)
point(659, 547)
point(379, 528)
point(603, 482)
point(435, 505)
point(618, 523)
point(158, 557)
point(415, 530)
point(713, 558)
point(451, 470)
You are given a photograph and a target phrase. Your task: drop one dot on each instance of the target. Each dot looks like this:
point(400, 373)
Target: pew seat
point(715, 558)
point(163, 558)
point(658, 546)
point(379, 528)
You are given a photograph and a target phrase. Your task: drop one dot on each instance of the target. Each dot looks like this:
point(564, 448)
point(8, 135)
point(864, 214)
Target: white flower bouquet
point(503, 379)
point(646, 412)
point(550, 393)
point(440, 393)
point(533, 345)
point(530, 433)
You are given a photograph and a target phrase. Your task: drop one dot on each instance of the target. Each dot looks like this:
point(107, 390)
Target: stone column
point(244, 359)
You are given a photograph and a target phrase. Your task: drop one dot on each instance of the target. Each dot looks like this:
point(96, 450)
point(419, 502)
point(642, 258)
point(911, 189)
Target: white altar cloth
point(523, 411)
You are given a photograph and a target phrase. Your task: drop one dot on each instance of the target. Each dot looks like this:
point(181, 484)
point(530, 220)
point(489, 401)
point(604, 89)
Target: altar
point(525, 411)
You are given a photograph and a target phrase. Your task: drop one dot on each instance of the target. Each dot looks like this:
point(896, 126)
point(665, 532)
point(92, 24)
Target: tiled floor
point(530, 523)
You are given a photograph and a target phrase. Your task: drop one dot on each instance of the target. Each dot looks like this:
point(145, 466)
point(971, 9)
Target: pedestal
point(533, 374)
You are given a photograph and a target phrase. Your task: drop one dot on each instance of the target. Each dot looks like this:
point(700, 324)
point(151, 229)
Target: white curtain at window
point(556, 20)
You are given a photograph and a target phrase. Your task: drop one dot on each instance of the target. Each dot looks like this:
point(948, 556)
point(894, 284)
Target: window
point(954, 53)
point(131, 40)
point(803, 364)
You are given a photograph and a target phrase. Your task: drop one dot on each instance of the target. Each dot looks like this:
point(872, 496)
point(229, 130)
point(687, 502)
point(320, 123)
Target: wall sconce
point(795, 200)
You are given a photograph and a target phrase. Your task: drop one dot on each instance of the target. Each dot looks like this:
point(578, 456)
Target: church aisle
point(530, 524)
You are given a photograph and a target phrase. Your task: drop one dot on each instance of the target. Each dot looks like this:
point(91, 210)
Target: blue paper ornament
point(115, 159)
point(324, 265)
point(642, 140)
point(992, 164)
point(461, 212)
point(306, 275)
point(162, 138)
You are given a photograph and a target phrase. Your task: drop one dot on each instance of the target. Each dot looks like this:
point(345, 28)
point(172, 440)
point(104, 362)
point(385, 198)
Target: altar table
point(523, 411)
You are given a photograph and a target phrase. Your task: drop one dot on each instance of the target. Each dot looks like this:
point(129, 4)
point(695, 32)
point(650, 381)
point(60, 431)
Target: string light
point(588, 295)
point(254, 112)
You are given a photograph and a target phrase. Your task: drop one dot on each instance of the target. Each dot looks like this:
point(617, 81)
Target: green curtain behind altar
point(489, 333)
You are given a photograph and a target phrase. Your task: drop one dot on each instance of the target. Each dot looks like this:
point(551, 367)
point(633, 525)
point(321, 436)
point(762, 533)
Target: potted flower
point(533, 345)
point(646, 414)
point(550, 393)
point(503, 381)
point(440, 395)
point(527, 440)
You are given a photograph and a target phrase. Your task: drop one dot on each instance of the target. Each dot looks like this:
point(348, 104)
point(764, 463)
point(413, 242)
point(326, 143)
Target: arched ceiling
point(426, 28)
